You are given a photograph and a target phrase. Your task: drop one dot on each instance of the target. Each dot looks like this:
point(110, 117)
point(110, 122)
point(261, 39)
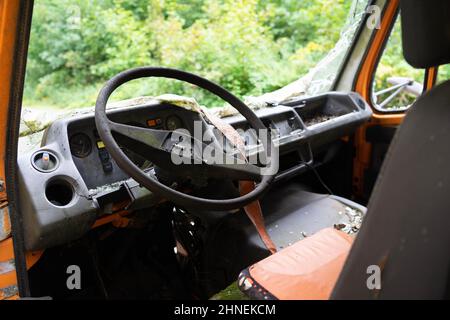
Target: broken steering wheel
point(150, 143)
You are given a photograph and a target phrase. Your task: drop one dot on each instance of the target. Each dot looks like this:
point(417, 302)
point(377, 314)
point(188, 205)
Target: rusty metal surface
point(7, 266)
point(10, 292)
point(5, 223)
point(8, 279)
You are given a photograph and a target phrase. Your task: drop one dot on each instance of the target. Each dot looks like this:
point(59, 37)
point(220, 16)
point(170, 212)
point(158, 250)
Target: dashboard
point(71, 180)
point(92, 159)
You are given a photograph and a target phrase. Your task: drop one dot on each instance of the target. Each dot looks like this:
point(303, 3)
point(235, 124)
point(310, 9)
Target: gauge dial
point(80, 145)
point(173, 123)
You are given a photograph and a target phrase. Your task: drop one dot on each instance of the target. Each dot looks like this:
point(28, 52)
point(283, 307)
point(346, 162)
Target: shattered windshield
point(264, 51)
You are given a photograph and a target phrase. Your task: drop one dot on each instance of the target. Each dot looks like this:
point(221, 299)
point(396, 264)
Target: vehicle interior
point(312, 190)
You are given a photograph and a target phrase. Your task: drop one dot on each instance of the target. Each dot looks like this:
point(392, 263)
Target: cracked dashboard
point(71, 180)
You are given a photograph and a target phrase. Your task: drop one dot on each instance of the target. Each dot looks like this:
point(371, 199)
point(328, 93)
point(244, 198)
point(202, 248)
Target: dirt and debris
point(7, 266)
point(318, 119)
point(180, 101)
point(353, 220)
point(30, 142)
point(105, 188)
point(8, 292)
point(5, 224)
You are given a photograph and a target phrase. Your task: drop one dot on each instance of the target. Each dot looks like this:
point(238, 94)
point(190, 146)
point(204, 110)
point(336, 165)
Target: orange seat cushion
point(308, 269)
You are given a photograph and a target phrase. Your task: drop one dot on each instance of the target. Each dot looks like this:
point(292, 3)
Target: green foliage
point(392, 63)
point(443, 73)
point(306, 21)
point(248, 46)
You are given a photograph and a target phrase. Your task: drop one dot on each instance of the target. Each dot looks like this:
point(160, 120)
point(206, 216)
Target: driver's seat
point(402, 250)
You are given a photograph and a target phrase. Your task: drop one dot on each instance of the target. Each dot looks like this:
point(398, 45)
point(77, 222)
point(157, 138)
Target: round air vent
point(44, 161)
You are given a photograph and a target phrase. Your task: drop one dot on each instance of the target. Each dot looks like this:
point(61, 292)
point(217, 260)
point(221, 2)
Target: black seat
point(406, 231)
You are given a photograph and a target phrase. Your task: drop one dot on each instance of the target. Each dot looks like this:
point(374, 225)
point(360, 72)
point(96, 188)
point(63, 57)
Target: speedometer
point(80, 145)
point(173, 123)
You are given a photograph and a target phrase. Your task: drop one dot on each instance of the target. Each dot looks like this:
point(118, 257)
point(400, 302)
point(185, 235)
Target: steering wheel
point(152, 145)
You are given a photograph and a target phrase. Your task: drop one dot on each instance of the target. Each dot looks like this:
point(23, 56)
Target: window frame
point(372, 103)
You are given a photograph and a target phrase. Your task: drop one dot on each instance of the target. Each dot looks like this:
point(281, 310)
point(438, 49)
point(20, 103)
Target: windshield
point(261, 50)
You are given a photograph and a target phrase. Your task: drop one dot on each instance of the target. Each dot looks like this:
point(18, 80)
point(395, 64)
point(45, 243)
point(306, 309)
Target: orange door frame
point(11, 14)
point(363, 86)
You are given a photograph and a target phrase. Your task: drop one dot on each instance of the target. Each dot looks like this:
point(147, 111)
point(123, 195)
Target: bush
point(248, 46)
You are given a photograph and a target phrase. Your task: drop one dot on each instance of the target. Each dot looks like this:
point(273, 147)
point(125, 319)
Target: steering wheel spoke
point(157, 145)
point(151, 138)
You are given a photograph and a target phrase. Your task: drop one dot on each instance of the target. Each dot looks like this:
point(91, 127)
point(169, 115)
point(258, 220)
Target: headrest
point(426, 32)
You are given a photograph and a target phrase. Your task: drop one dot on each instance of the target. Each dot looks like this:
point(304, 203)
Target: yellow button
point(100, 144)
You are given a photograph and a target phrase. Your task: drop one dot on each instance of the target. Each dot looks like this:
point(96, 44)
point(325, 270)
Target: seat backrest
point(406, 231)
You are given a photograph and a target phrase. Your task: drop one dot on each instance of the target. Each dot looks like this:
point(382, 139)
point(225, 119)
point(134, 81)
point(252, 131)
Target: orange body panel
point(9, 11)
point(8, 277)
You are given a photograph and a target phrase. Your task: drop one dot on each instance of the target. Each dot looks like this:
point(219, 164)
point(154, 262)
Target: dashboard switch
point(100, 144)
point(105, 159)
point(107, 166)
point(103, 155)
